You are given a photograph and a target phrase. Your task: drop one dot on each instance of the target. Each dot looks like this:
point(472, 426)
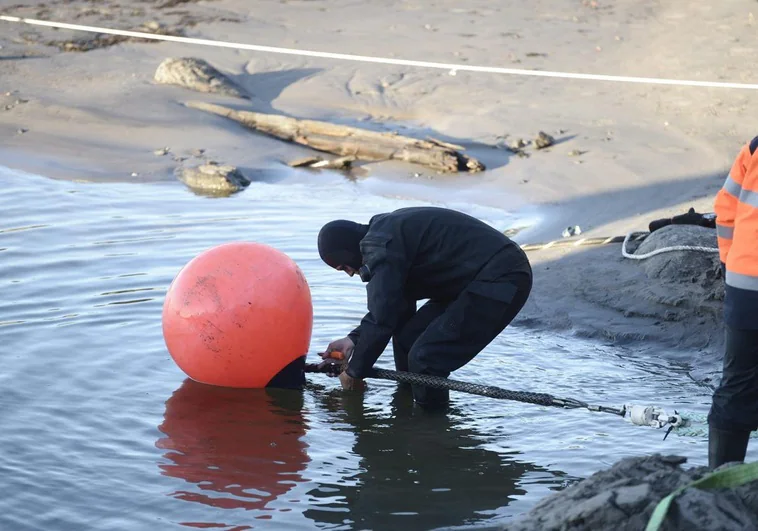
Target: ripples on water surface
point(101, 430)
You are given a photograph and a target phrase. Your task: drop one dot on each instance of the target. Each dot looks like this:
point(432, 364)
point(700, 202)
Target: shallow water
point(101, 430)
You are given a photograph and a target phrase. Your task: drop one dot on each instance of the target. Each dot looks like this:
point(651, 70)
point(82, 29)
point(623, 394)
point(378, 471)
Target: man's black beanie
point(339, 243)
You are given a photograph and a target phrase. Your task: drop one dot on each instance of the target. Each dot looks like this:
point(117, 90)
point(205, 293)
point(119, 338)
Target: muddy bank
point(624, 496)
point(672, 301)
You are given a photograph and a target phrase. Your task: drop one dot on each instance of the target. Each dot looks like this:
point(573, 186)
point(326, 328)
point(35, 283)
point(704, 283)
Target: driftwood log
point(353, 142)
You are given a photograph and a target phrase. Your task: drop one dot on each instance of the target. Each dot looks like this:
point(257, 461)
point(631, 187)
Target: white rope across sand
point(452, 68)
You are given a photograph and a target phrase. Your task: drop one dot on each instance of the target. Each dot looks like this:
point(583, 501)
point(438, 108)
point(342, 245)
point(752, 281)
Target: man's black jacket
point(413, 254)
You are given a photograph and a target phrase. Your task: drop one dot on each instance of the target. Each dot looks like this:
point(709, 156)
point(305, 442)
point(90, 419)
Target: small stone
point(162, 151)
point(517, 145)
point(22, 131)
point(135, 174)
point(197, 152)
point(543, 140)
point(576, 153)
point(152, 25)
point(214, 179)
point(571, 231)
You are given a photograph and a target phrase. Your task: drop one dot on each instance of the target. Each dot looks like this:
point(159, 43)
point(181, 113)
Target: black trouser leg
point(734, 409)
point(413, 326)
point(479, 314)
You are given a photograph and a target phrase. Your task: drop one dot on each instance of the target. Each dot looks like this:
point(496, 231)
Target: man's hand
point(344, 345)
point(333, 364)
point(351, 384)
point(336, 356)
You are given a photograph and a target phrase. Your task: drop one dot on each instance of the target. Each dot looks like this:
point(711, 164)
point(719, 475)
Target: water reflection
point(244, 449)
point(240, 448)
point(418, 470)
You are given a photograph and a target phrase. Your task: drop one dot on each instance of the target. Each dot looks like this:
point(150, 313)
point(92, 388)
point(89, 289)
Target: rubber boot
point(430, 398)
point(726, 446)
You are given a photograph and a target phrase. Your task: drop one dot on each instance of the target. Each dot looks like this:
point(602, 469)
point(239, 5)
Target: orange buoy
point(237, 314)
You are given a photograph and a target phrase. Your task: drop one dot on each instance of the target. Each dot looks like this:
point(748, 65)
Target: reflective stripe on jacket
point(736, 208)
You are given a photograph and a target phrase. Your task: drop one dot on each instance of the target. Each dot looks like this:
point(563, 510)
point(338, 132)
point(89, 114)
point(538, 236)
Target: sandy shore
point(626, 153)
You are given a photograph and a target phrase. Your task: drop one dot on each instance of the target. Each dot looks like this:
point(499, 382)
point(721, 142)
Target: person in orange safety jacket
point(734, 409)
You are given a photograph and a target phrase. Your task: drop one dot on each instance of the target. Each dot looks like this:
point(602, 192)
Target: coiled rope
point(694, 248)
point(697, 426)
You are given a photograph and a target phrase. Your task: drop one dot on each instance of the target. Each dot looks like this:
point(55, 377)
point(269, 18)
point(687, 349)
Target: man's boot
point(430, 398)
point(726, 446)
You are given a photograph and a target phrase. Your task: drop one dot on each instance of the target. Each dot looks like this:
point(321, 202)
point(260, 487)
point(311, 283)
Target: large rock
point(196, 74)
point(689, 267)
point(623, 498)
point(213, 179)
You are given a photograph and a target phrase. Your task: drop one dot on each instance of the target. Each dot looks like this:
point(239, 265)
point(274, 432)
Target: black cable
point(541, 399)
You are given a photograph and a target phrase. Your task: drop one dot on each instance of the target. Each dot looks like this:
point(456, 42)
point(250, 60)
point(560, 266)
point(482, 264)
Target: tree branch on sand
point(345, 141)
